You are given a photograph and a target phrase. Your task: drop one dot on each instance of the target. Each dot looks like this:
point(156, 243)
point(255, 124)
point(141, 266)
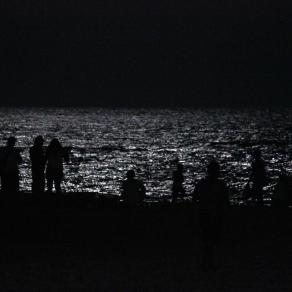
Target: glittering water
point(106, 142)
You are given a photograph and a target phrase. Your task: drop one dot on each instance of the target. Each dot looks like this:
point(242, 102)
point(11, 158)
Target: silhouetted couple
point(47, 164)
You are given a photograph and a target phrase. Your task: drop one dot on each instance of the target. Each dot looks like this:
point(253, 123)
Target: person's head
point(257, 154)
point(11, 141)
point(213, 169)
point(130, 174)
point(39, 141)
point(55, 145)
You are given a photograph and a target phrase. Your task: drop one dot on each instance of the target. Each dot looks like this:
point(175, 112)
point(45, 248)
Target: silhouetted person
point(282, 195)
point(133, 190)
point(38, 160)
point(258, 177)
point(9, 166)
point(55, 155)
point(211, 197)
point(177, 186)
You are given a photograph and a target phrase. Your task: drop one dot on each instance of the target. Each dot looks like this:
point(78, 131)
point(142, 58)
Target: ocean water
point(107, 142)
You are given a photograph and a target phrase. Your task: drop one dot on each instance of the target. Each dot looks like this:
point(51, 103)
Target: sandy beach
point(74, 247)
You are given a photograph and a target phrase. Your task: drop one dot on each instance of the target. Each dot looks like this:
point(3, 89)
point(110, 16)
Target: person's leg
point(259, 195)
point(4, 183)
point(34, 187)
point(39, 183)
point(16, 182)
point(12, 182)
point(49, 184)
point(58, 181)
point(181, 191)
point(42, 183)
point(174, 195)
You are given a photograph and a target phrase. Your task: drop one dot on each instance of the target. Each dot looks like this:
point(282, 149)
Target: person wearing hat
point(9, 167)
point(37, 157)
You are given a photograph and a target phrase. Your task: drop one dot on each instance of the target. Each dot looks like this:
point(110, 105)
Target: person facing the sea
point(177, 186)
point(10, 160)
point(55, 155)
point(212, 199)
point(258, 177)
point(38, 160)
point(282, 193)
point(133, 190)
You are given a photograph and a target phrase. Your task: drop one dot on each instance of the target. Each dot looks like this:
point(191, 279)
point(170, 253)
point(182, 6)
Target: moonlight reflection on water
point(106, 142)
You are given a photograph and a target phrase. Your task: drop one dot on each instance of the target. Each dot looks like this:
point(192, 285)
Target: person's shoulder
point(124, 182)
point(221, 182)
point(138, 181)
point(201, 183)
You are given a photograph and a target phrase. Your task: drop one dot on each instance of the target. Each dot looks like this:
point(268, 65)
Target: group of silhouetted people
point(45, 165)
point(210, 195)
point(258, 179)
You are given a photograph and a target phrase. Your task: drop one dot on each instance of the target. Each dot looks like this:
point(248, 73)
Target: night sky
point(146, 53)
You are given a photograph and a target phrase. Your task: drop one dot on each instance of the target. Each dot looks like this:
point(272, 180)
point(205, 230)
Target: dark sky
point(146, 53)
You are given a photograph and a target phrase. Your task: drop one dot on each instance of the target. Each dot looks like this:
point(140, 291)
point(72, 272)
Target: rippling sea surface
point(107, 142)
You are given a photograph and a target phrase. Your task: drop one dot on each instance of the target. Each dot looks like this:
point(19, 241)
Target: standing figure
point(133, 190)
point(177, 186)
point(55, 155)
point(258, 177)
point(9, 167)
point(38, 160)
point(282, 192)
point(212, 198)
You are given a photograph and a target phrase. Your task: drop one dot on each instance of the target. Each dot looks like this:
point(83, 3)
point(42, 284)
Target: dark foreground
point(85, 245)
